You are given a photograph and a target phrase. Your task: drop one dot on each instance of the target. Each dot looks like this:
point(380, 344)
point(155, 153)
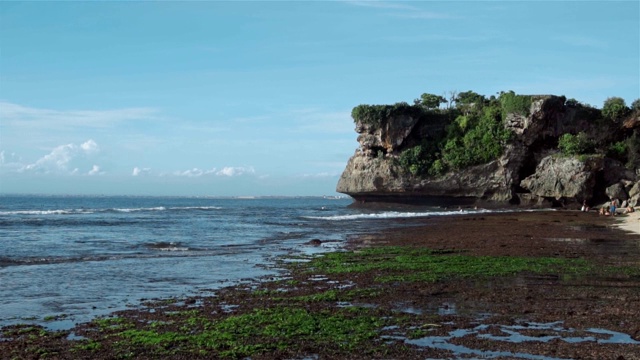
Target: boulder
point(562, 177)
point(634, 195)
point(616, 191)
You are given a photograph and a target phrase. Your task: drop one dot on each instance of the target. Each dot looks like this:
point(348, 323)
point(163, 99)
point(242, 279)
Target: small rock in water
point(315, 242)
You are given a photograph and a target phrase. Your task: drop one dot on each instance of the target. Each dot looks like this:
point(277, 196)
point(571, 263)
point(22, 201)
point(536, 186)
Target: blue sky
point(254, 98)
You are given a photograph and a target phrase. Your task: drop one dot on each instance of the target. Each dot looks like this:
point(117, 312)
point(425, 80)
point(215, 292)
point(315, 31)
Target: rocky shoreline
point(534, 285)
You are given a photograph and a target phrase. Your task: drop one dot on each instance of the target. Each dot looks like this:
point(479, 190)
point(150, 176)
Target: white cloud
point(95, 170)
point(89, 146)
point(195, 172)
point(140, 171)
point(235, 171)
point(66, 159)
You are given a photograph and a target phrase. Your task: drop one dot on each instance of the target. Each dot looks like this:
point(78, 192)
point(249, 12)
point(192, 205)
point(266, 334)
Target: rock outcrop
point(530, 168)
point(560, 177)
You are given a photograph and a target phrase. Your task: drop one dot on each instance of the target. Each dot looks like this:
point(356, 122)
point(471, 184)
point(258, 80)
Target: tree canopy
point(615, 108)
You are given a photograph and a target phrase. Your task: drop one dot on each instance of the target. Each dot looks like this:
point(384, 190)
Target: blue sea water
point(77, 257)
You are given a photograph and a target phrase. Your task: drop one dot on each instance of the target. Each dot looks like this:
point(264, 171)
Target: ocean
point(68, 259)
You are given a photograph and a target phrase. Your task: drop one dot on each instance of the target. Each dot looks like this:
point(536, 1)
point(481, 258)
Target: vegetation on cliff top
point(476, 131)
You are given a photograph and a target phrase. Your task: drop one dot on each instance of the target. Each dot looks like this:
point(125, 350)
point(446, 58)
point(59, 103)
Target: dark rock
point(315, 242)
point(616, 191)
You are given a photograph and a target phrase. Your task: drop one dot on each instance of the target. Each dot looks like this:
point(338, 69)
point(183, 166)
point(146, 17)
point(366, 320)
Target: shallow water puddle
point(518, 334)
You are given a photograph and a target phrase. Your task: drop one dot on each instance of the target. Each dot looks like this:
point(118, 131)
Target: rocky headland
point(541, 150)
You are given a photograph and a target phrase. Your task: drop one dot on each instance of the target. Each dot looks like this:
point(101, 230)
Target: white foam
point(197, 208)
point(398, 215)
point(46, 212)
point(175, 248)
point(126, 210)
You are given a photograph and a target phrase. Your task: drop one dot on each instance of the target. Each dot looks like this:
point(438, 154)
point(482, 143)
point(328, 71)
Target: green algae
point(259, 331)
point(414, 264)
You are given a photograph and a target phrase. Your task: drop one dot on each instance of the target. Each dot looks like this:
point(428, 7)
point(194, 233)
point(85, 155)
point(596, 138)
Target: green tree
point(469, 98)
point(431, 101)
point(572, 102)
point(469, 101)
point(635, 105)
point(615, 108)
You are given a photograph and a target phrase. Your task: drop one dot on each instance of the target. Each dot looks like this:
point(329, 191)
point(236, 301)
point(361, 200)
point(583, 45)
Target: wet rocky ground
point(526, 285)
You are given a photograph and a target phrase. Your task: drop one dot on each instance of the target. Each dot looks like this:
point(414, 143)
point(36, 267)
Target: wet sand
point(542, 314)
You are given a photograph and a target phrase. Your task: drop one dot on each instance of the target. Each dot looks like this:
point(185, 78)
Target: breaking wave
point(399, 215)
point(116, 210)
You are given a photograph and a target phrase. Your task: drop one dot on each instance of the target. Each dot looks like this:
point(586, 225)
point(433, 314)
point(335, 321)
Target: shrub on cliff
point(481, 141)
point(512, 103)
point(570, 144)
point(374, 114)
point(477, 137)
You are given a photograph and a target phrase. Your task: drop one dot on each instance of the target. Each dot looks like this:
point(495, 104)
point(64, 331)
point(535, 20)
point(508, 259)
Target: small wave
point(116, 210)
point(52, 260)
point(47, 212)
point(128, 210)
point(196, 208)
point(166, 246)
point(396, 215)
point(175, 248)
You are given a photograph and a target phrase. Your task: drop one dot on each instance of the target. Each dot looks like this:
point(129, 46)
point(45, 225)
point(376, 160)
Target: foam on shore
point(629, 222)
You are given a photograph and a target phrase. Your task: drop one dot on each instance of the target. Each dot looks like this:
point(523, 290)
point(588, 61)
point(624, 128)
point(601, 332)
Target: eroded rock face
point(564, 177)
point(373, 173)
point(389, 136)
point(634, 194)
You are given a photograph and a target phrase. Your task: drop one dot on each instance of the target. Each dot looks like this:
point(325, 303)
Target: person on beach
point(612, 208)
point(629, 209)
point(585, 207)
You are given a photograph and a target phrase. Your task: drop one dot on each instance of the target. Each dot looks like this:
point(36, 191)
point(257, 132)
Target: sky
point(216, 98)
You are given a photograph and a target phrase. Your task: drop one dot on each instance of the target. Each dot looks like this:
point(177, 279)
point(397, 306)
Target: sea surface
point(71, 258)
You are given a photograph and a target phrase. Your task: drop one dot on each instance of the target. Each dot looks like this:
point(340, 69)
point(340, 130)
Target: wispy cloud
point(582, 41)
point(195, 172)
point(26, 117)
point(315, 121)
point(476, 38)
point(319, 175)
point(227, 171)
point(401, 10)
point(381, 4)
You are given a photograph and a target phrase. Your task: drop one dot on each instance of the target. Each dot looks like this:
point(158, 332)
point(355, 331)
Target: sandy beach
point(534, 285)
point(630, 222)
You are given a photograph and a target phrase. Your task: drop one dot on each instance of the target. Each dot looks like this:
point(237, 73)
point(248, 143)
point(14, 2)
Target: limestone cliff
point(528, 171)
